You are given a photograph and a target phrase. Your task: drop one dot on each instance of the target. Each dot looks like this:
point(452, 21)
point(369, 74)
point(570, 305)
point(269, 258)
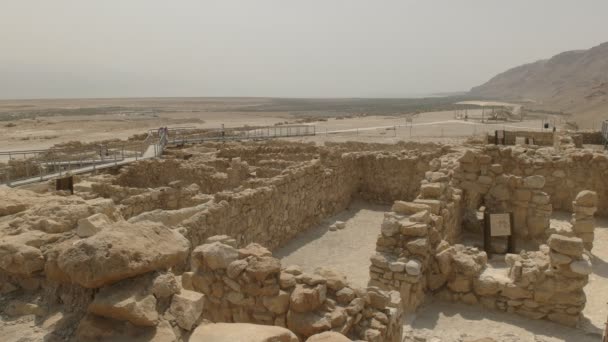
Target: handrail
point(39, 165)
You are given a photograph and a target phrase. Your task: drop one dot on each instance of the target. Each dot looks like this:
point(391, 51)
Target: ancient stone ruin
point(181, 248)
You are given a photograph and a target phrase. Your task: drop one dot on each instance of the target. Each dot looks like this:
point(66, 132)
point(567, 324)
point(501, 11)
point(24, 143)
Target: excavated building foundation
point(158, 249)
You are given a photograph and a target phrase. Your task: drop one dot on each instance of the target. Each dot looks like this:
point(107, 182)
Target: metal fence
point(29, 166)
point(183, 136)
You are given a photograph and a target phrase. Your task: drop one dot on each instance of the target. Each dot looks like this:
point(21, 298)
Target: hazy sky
point(282, 48)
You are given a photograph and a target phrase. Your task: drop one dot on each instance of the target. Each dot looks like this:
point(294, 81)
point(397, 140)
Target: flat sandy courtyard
point(346, 250)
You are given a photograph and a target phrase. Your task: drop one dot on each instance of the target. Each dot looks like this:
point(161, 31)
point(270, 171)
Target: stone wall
point(417, 254)
point(566, 174)
point(248, 285)
point(273, 211)
point(486, 184)
point(547, 284)
point(415, 231)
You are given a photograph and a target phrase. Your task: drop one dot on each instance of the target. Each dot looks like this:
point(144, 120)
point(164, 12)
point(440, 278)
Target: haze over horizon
point(272, 48)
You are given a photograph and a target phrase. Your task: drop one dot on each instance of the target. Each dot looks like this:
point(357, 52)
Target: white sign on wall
point(500, 224)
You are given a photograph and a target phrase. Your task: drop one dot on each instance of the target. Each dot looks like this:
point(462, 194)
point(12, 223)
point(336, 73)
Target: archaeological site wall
point(162, 245)
point(248, 285)
point(416, 253)
point(115, 255)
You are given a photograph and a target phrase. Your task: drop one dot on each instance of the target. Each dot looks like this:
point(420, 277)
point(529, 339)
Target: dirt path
point(347, 250)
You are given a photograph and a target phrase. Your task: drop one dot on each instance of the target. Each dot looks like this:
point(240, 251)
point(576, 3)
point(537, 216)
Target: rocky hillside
point(573, 82)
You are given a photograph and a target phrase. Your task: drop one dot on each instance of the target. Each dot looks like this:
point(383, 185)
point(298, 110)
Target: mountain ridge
point(574, 82)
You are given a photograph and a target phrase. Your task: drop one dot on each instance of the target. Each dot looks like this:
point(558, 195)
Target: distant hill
point(573, 82)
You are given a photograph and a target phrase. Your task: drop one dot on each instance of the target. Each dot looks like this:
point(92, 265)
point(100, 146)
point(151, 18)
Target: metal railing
point(180, 137)
point(30, 166)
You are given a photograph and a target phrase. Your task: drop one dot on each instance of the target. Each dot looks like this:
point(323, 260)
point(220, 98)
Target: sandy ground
point(349, 250)
point(136, 116)
point(426, 127)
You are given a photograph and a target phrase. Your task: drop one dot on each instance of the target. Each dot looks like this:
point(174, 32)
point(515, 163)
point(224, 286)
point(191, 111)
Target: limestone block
point(287, 280)
point(345, 295)
point(513, 291)
point(121, 251)
point(277, 304)
point(187, 307)
point(559, 259)
point(433, 205)
point(379, 260)
point(126, 301)
point(216, 255)
point(305, 298)
point(460, 284)
point(254, 249)
point(389, 227)
point(572, 246)
point(586, 198)
point(236, 267)
point(328, 336)
point(559, 174)
point(541, 198)
point(225, 239)
point(496, 169)
point(165, 285)
point(20, 259)
point(418, 246)
point(413, 267)
point(534, 182)
point(469, 298)
point(467, 157)
point(421, 217)
point(231, 332)
point(91, 225)
point(583, 225)
point(584, 212)
point(409, 228)
point(263, 267)
point(396, 266)
point(583, 267)
point(431, 190)
point(408, 208)
point(486, 285)
point(308, 323)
